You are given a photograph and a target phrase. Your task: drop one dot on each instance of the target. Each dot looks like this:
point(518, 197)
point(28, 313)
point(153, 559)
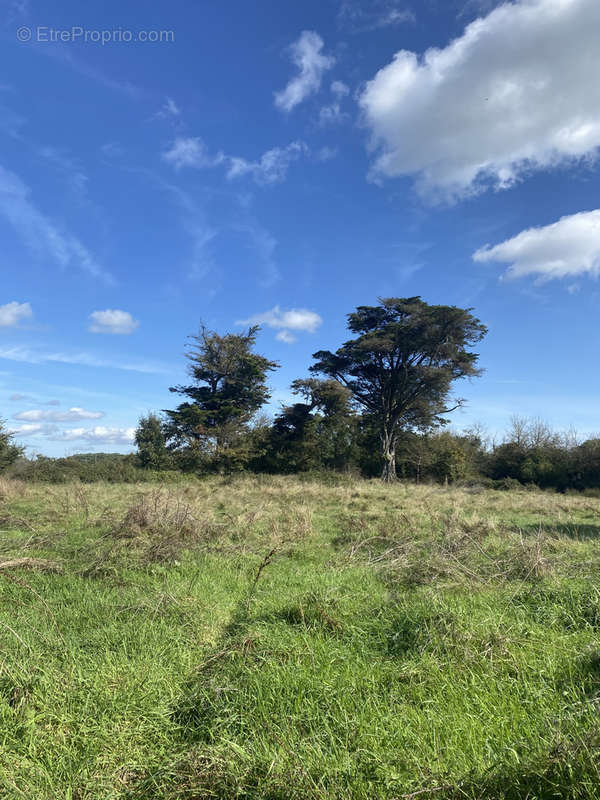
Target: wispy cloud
point(358, 16)
point(71, 415)
point(333, 112)
point(70, 168)
point(112, 321)
point(271, 167)
point(307, 54)
point(31, 356)
point(190, 151)
point(39, 233)
point(169, 109)
point(13, 313)
point(264, 245)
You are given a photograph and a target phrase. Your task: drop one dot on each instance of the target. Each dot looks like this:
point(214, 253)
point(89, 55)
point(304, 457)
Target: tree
point(229, 387)
point(314, 434)
point(151, 442)
point(402, 363)
point(9, 451)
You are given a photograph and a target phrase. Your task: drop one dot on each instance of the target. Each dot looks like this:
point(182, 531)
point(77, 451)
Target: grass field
point(279, 639)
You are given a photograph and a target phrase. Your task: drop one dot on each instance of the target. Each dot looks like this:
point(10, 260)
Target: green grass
point(280, 639)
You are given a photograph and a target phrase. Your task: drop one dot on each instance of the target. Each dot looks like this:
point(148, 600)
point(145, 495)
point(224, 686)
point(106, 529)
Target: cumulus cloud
point(72, 415)
point(567, 248)
point(296, 319)
point(112, 321)
point(517, 91)
point(13, 313)
point(306, 53)
point(39, 233)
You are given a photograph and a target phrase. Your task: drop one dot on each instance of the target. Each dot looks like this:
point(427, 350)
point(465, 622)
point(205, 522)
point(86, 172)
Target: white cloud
point(97, 435)
point(27, 355)
point(359, 17)
point(307, 55)
point(339, 89)
point(72, 415)
point(333, 112)
point(39, 233)
point(26, 430)
point(326, 153)
point(566, 248)
point(296, 319)
point(190, 151)
point(286, 336)
point(517, 91)
point(272, 166)
point(13, 313)
point(112, 321)
point(169, 109)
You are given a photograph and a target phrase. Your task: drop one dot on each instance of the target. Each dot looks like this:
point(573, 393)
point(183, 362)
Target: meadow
point(285, 639)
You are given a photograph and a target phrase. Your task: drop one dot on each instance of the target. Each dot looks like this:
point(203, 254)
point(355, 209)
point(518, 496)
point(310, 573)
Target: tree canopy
point(229, 386)
point(401, 365)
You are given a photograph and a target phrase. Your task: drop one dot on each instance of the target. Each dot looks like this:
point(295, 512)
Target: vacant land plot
point(279, 639)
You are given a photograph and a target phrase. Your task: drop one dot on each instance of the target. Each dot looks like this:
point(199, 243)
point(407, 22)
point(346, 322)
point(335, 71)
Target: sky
point(170, 164)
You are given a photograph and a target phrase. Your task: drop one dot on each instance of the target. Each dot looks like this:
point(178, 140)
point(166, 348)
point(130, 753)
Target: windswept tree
point(229, 385)
point(402, 363)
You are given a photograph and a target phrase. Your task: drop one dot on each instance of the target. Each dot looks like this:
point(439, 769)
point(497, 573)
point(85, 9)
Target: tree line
point(392, 377)
point(378, 405)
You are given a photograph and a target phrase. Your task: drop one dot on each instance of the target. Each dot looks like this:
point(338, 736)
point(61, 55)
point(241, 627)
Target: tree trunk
point(388, 474)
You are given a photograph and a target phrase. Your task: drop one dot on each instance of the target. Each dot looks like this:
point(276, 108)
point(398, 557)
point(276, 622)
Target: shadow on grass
point(572, 530)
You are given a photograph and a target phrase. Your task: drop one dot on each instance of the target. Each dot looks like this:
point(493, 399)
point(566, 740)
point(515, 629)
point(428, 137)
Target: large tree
point(229, 386)
point(401, 365)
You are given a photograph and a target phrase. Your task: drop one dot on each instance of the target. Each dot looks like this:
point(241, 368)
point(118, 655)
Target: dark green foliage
point(319, 433)
point(402, 363)
point(229, 387)
point(151, 442)
point(9, 451)
point(87, 468)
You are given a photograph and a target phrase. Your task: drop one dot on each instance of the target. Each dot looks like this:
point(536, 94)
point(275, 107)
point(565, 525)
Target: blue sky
point(283, 163)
